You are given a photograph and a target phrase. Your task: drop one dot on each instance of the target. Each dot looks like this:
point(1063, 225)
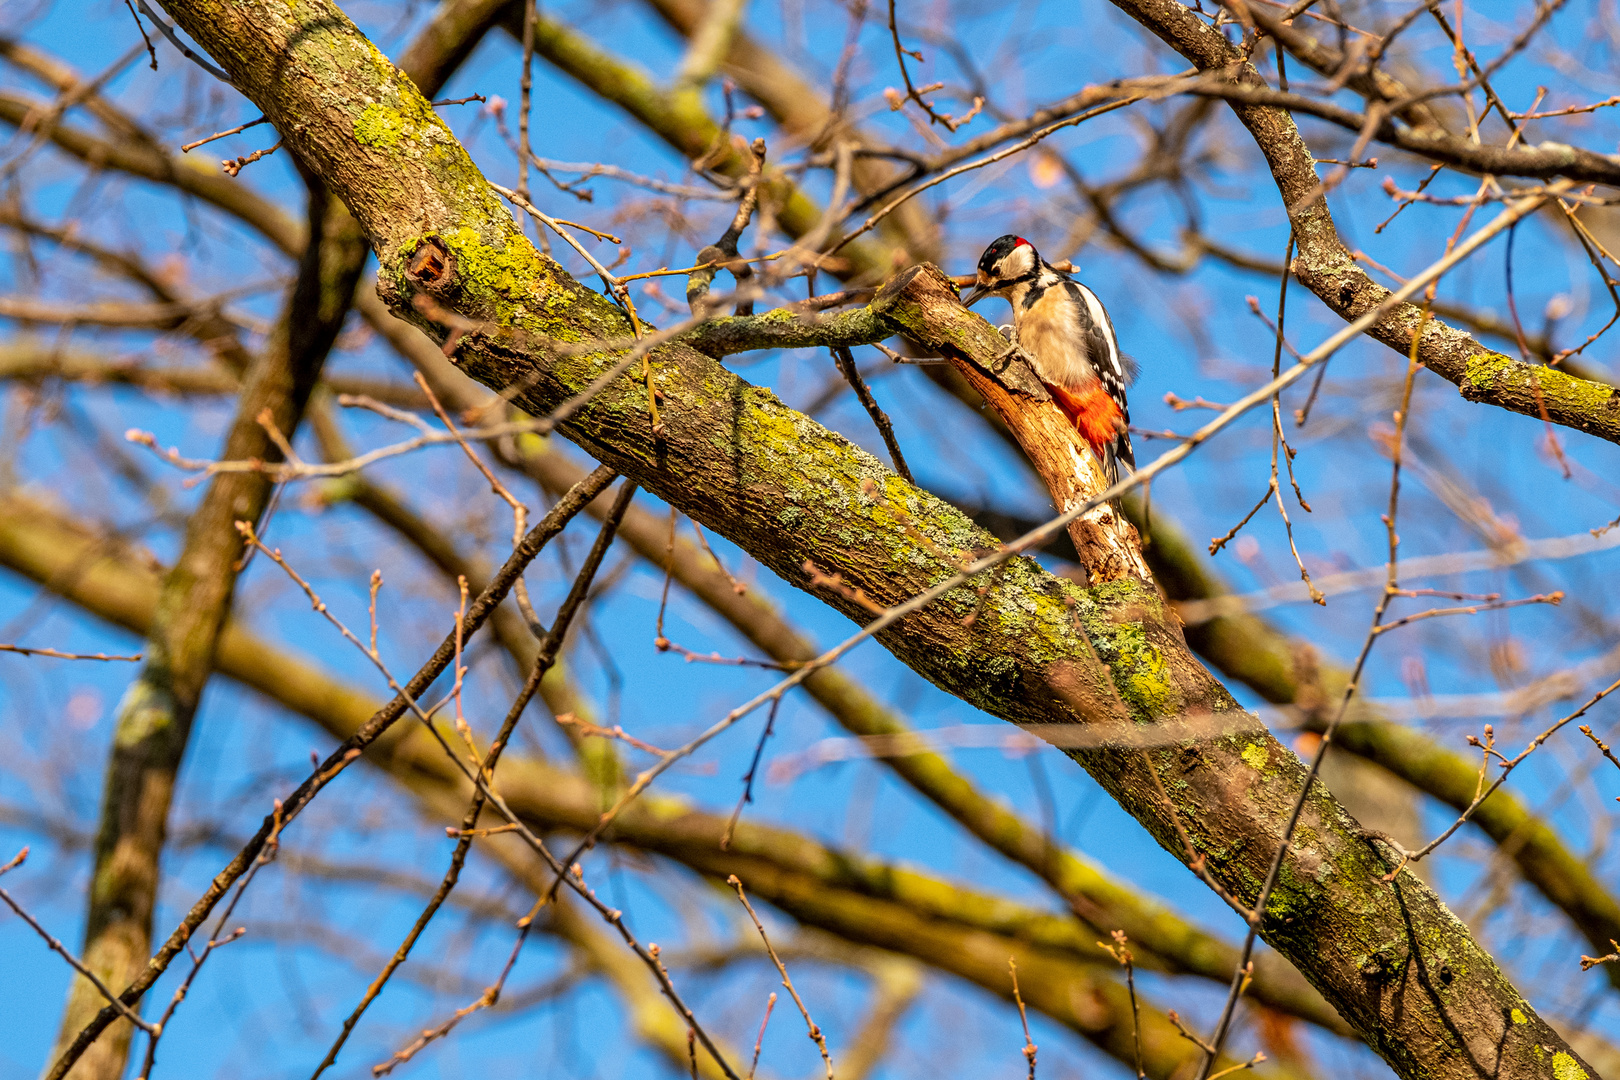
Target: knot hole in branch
point(432, 266)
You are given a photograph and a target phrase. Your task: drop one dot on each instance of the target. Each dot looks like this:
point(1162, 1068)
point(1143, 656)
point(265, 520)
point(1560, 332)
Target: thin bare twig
point(1123, 955)
point(1245, 966)
point(150, 51)
point(24, 651)
point(573, 875)
point(74, 962)
point(1601, 745)
point(1508, 765)
point(189, 147)
point(525, 86)
point(615, 732)
point(736, 586)
point(748, 778)
point(168, 32)
point(759, 1040)
point(1229, 1070)
point(1554, 598)
point(1023, 1016)
point(946, 120)
point(1571, 111)
point(546, 658)
point(880, 419)
point(815, 1032)
point(990, 159)
point(1590, 962)
point(232, 166)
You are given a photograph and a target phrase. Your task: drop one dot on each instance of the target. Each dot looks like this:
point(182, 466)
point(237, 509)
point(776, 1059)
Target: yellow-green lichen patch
point(1534, 389)
point(1148, 685)
point(1519, 1017)
point(1139, 670)
point(406, 125)
point(146, 712)
point(1256, 755)
point(1482, 369)
point(1116, 616)
point(502, 277)
point(378, 126)
point(1566, 1067)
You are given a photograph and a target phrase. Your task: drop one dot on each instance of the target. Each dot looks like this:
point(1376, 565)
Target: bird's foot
point(999, 362)
point(1003, 360)
point(1018, 376)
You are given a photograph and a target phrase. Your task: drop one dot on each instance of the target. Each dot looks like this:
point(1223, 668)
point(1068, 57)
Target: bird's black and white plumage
point(1065, 331)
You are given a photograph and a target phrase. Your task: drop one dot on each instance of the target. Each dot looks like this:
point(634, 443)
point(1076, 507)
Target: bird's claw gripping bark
point(1015, 369)
point(1001, 360)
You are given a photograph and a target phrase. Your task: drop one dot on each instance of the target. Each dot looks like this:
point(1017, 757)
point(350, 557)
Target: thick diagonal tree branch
point(968, 934)
point(1097, 898)
point(1286, 671)
point(788, 491)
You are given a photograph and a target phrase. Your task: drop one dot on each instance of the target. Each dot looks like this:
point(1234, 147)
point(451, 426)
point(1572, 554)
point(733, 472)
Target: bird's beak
point(978, 292)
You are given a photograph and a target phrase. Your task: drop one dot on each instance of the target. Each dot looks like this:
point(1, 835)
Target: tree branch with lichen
point(1326, 267)
point(861, 899)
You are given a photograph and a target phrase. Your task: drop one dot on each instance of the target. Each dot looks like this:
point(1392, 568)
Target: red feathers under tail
point(1096, 416)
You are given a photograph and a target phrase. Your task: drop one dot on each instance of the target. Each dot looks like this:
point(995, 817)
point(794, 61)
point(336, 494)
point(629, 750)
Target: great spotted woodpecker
point(1064, 330)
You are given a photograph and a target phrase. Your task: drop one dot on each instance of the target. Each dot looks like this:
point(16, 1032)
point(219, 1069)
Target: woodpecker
point(1064, 330)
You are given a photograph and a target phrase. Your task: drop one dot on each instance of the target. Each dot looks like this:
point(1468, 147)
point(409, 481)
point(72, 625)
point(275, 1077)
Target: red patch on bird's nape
point(1019, 241)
